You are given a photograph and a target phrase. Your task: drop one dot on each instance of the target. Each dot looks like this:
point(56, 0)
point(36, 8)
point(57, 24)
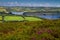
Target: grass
point(13, 18)
point(0, 17)
point(32, 30)
point(20, 18)
point(32, 19)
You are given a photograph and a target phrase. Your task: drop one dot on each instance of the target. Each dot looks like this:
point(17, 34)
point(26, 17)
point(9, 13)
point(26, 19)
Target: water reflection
point(41, 15)
point(18, 13)
point(45, 15)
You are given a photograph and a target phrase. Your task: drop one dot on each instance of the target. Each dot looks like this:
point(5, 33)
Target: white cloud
point(29, 4)
point(58, 6)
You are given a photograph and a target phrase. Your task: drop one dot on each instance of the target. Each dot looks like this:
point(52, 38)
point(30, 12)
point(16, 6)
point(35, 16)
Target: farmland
point(19, 27)
point(13, 18)
point(32, 19)
point(19, 18)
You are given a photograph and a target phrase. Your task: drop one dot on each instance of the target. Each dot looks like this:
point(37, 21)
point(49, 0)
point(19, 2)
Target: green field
point(0, 17)
point(32, 19)
point(20, 18)
point(13, 18)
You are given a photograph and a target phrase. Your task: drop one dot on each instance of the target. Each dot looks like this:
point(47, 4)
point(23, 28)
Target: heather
point(30, 30)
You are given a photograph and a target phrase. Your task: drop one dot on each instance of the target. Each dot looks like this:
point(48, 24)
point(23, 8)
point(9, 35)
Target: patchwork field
point(13, 18)
point(32, 19)
point(19, 18)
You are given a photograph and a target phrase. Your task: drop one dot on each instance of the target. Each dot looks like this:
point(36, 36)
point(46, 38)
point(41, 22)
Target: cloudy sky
point(35, 3)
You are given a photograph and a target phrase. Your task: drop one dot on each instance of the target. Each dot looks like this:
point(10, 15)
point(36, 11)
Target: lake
point(41, 15)
point(18, 13)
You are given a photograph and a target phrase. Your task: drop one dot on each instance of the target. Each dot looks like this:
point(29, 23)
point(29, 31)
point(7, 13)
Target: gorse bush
point(38, 30)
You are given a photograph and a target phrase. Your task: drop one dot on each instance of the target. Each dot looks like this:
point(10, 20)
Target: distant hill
point(31, 9)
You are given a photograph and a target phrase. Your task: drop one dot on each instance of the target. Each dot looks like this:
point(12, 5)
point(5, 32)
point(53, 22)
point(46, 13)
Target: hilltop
point(30, 9)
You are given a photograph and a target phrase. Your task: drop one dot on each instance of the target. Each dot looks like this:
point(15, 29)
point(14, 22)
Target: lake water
point(50, 16)
point(41, 15)
point(18, 13)
point(45, 15)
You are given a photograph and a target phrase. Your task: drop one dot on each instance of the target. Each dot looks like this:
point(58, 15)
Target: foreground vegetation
point(38, 30)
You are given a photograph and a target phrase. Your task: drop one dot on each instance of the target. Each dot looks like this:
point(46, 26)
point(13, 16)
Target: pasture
point(32, 19)
point(13, 18)
point(0, 17)
point(19, 18)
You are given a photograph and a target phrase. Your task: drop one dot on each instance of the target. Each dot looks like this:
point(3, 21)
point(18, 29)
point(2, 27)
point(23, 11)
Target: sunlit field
point(13, 18)
point(19, 18)
point(32, 19)
point(0, 17)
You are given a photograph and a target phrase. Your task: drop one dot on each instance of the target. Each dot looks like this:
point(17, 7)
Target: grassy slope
point(38, 30)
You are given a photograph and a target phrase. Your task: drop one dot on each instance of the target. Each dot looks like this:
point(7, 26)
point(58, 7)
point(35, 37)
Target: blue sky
point(35, 3)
